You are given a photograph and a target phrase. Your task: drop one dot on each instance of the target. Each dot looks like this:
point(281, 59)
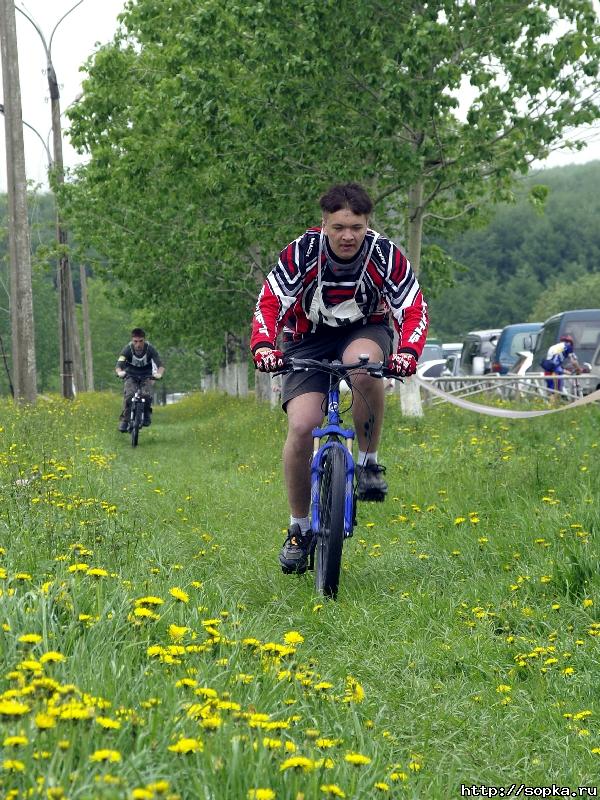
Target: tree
point(561, 296)
point(213, 127)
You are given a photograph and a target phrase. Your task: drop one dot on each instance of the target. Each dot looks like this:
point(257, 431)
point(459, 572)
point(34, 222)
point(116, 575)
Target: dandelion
point(587, 602)
point(108, 724)
point(11, 765)
point(187, 746)
point(261, 794)
point(293, 637)
point(503, 688)
point(44, 721)
point(52, 656)
point(179, 594)
point(30, 638)
point(332, 790)
point(12, 708)
point(568, 671)
point(149, 601)
point(358, 759)
point(15, 741)
point(145, 613)
point(382, 787)
point(297, 762)
point(142, 794)
point(177, 632)
point(354, 691)
point(97, 572)
point(110, 756)
point(459, 520)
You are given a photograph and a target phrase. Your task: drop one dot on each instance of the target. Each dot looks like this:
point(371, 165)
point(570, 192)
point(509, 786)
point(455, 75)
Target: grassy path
point(141, 605)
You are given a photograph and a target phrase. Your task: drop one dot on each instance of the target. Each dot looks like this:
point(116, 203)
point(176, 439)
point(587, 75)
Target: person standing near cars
point(559, 356)
point(138, 359)
point(332, 292)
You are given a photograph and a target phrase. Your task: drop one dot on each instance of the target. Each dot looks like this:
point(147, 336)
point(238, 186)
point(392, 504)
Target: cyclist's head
point(346, 195)
point(568, 339)
point(138, 333)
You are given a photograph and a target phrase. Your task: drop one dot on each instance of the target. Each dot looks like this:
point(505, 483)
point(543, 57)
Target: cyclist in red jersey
point(331, 295)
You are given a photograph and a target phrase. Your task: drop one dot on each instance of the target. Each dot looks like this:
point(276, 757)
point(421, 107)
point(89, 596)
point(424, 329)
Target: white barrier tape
point(504, 412)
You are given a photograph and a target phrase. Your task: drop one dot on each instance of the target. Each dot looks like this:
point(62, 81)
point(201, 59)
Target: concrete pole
point(21, 295)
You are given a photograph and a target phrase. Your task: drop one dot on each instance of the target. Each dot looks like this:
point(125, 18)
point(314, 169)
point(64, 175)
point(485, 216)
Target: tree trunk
point(21, 295)
point(87, 336)
point(71, 370)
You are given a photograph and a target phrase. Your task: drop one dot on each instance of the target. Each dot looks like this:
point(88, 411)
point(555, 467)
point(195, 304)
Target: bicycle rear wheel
point(330, 537)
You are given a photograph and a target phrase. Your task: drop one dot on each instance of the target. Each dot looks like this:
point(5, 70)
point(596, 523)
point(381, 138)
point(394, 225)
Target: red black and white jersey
point(387, 286)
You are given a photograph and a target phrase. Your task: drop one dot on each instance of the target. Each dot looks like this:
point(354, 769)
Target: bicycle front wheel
point(330, 537)
point(135, 425)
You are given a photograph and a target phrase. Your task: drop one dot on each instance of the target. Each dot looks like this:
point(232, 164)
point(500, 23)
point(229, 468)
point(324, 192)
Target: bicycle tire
point(330, 537)
point(135, 424)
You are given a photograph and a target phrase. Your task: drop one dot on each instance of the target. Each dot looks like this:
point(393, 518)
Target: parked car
point(450, 348)
point(582, 324)
point(513, 339)
point(432, 350)
point(474, 357)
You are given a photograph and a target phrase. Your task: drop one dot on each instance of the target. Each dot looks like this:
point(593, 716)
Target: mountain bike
point(333, 491)
point(137, 411)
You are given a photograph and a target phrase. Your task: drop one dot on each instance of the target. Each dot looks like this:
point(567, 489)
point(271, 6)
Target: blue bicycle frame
point(332, 428)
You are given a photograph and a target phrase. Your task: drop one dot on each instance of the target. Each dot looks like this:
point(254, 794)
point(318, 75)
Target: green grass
point(468, 611)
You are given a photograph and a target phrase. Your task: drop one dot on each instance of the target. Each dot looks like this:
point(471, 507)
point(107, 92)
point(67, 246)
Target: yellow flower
point(108, 724)
point(459, 520)
point(187, 746)
point(177, 632)
point(149, 601)
point(30, 638)
point(142, 794)
point(261, 794)
point(382, 787)
point(51, 656)
point(11, 765)
point(15, 741)
point(588, 602)
point(179, 594)
point(97, 572)
point(354, 692)
point(293, 637)
point(12, 708)
point(112, 756)
point(44, 721)
point(332, 790)
point(297, 762)
point(357, 759)
point(503, 688)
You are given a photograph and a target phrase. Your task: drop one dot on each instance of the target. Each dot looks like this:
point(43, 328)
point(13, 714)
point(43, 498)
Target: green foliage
point(468, 608)
point(583, 292)
point(525, 265)
point(213, 127)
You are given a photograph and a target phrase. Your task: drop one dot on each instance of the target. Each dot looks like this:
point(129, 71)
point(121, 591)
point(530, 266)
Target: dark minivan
point(582, 324)
point(513, 339)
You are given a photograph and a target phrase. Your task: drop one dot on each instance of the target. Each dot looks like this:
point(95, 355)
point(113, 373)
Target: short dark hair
point(346, 195)
point(138, 332)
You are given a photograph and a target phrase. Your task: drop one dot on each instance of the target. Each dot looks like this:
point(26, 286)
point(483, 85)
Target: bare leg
point(369, 395)
point(304, 413)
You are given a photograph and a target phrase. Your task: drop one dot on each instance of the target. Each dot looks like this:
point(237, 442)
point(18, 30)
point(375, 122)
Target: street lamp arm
point(37, 133)
point(60, 20)
point(38, 29)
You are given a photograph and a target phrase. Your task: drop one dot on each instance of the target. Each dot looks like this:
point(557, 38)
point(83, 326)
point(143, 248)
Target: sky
point(78, 36)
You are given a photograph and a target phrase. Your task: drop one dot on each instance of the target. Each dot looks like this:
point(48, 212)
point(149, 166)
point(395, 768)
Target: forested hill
point(527, 263)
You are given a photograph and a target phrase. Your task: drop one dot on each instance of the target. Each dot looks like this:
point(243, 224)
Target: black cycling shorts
point(328, 343)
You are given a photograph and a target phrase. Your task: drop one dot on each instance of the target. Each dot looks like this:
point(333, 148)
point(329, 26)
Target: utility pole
point(87, 335)
point(70, 351)
point(21, 295)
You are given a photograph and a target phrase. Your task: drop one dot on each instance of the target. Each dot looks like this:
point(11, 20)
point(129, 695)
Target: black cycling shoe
point(123, 425)
point(370, 482)
point(294, 553)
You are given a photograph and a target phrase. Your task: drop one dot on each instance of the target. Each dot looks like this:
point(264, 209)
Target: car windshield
point(431, 352)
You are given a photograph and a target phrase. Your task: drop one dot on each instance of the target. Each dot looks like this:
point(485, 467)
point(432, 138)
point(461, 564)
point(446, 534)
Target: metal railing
point(513, 387)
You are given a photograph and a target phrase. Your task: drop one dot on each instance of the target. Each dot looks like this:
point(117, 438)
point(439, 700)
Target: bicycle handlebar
point(375, 369)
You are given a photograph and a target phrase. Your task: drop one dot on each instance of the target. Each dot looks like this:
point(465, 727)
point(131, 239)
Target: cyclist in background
point(138, 360)
point(332, 292)
point(559, 356)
